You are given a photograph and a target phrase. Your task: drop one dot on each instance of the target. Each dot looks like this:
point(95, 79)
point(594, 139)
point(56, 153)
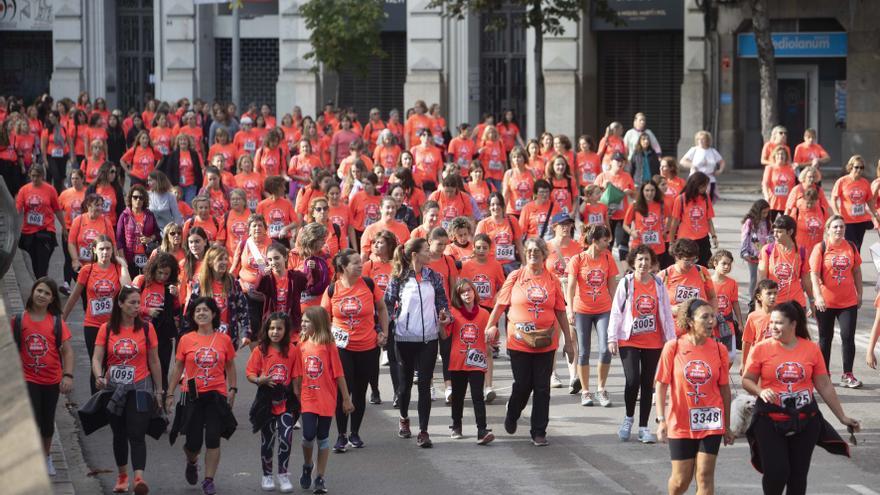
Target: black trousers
point(130, 429)
point(204, 426)
point(165, 350)
point(621, 239)
point(90, 334)
point(639, 368)
point(11, 173)
point(393, 365)
point(847, 318)
point(445, 350)
point(460, 382)
point(255, 313)
point(705, 251)
point(69, 274)
point(531, 377)
point(412, 357)
point(39, 247)
point(855, 232)
point(785, 459)
point(359, 368)
point(44, 399)
point(57, 172)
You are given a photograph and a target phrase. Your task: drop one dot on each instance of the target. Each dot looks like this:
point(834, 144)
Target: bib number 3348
point(705, 418)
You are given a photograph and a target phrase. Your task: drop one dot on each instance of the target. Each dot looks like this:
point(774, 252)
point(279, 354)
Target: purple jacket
point(128, 234)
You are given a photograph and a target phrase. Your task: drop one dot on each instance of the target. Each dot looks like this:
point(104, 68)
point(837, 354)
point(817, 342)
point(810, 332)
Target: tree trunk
point(539, 82)
point(766, 65)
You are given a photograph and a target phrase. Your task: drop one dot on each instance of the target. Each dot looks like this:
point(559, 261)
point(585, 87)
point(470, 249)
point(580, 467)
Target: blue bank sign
point(796, 45)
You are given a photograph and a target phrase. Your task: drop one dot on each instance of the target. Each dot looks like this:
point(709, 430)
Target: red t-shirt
point(278, 214)
point(142, 161)
point(85, 230)
point(757, 327)
point(282, 369)
point(468, 341)
point(40, 354)
point(101, 286)
point(592, 294)
point(398, 228)
point(319, 367)
point(788, 372)
point(504, 235)
point(380, 272)
point(650, 227)
point(727, 292)
point(854, 196)
point(779, 180)
point(353, 321)
point(835, 271)
point(595, 214)
point(126, 352)
point(152, 296)
point(786, 268)
point(204, 358)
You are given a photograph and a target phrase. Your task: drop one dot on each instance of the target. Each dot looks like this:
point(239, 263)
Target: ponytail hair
point(793, 311)
point(403, 256)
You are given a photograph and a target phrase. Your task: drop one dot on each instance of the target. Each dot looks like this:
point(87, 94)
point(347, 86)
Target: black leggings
point(44, 399)
point(90, 334)
point(255, 313)
point(204, 425)
point(130, 429)
point(855, 232)
point(621, 239)
point(280, 426)
point(847, 318)
point(11, 173)
point(39, 247)
point(315, 426)
point(531, 378)
point(785, 460)
point(639, 368)
point(165, 349)
point(460, 382)
point(705, 251)
point(393, 365)
point(445, 350)
point(412, 357)
point(69, 274)
point(57, 172)
point(359, 367)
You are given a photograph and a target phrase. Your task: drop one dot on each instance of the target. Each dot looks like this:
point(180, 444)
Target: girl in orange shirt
point(236, 220)
point(565, 189)
point(536, 164)
point(505, 232)
point(684, 279)
point(203, 218)
point(809, 179)
point(784, 262)
point(645, 220)
point(427, 162)
point(509, 131)
point(249, 181)
point(222, 146)
point(491, 154)
point(85, 229)
point(277, 210)
point(518, 183)
point(91, 164)
point(301, 165)
point(757, 326)
point(158, 281)
point(106, 186)
point(810, 216)
point(589, 165)
point(594, 212)
point(778, 181)
point(727, 293)
point(161, 134)
point(691, 217)
point(216, 192)
point(140, 160)
point(71, 201)
point(546, 141)
point(270, 158)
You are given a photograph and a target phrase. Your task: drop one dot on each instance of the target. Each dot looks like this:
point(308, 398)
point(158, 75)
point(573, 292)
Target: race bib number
point(780, 190)
point(463, 163)
point(595, 219)
point(121, 374)
point(34, 218)
point(163, 149)
point(224, 329)
point(57, 153)
point(588, 177)
point(140, 260)
point(525, 327)
point(858, 209)
point(705, 418)
point(438, 140)
point(476, 358)
point(340, 336)
point(106, 206)
point(85, 254)
point(520, 203)
point(495, 165)
point(101, 306)
point(275, 229)
point(252, 204)
point(644, 324)
point(801, 398)
point(484, 290)
point(250, 146)
point(370, 221)
point(683, 293)
point(504, 252)
point(650, 237)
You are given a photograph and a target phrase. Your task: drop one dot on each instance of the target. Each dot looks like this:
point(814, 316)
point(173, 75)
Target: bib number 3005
point(705, 418)
point(122, 374)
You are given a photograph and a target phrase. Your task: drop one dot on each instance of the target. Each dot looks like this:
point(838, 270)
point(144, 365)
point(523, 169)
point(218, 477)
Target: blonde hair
point(853, 160)
point(700, 134)
point(207, 277)
point(320, 323)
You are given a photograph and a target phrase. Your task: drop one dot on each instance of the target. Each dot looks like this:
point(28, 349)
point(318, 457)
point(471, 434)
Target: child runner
point(758, 323)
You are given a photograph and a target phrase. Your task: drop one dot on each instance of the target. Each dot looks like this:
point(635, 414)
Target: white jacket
point(621, 321)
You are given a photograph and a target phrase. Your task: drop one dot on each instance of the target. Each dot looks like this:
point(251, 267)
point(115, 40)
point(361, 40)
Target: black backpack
point(16, 330)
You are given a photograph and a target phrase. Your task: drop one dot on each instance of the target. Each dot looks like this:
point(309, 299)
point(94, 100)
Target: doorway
point(134, 45)
point(503, 66)
point(797, 100)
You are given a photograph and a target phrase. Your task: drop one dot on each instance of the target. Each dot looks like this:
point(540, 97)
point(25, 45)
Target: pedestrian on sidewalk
point(37, 202)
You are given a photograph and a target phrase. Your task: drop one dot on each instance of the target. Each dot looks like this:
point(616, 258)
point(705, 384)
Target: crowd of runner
point(325, 247)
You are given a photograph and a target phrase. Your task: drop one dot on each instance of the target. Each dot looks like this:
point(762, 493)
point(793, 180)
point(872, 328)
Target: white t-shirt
point(703, 160)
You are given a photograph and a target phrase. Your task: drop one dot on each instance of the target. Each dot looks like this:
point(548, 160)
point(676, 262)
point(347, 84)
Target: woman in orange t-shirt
point(674, 183)
point(92, 163)
point(249, 260)
point(778, 181)
point(222, 146)
point(249, 181)
point(612, 143)
point(270, 158)
point(492, 156)
point(71, 201)
point(784, 371)
point(509, 131)
point(505, 232)
point(588, 165)
point(216, 192)
point(784, 262)
point(518, 183)
point(852, 199)
point(427, 160)
point(691, 217)
point(592, 281)
point(810, 216)
point(301, 165)
point(693, 368)
point(203, 218)
point(645, 220)
point(565, 188)
point(161, 134)
point(277, 210)
point(537, 304)
point(160, 278)
point(140, 159)
point(622, 180)
point(536, 163)
point(809, 179)
point(85, 229)
point(387, 152)
point(810, 153)
point(37, 203)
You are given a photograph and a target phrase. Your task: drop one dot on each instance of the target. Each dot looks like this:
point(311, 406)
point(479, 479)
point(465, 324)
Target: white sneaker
point(50, 468)
point(448, 395)
point(489, 394)
point(384, 358)
point(284, 484)
point(268, 483)
point(433, 393)
point(554, 381)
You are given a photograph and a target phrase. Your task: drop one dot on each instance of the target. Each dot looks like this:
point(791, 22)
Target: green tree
point(544, 16)
point(766, 65)
point(344, 33)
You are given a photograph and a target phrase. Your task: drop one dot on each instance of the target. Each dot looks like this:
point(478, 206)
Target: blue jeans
point(189, 192)
point(583, 324)
point(494, 184)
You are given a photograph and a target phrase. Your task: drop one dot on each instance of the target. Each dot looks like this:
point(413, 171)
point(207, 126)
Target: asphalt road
point(584, 455)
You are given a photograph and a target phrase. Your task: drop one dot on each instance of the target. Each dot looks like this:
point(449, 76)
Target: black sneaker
point(375, 398)
point(355, 441)
point(305, 481)
point(320, 487)
point(509, 425)
point(192, 472)
point(456, 432)
point(496, 352)
point(341, 444)
point(423, 440)
point(574, 386)
point(484, 437)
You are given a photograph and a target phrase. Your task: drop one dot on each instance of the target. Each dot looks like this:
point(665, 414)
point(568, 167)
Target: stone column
point(424, 78)
point(93, 44)
point(67, 49)
point(693, 85)
point(175, 51)
point(862, 135)
point(561, 81)
point(297, 84)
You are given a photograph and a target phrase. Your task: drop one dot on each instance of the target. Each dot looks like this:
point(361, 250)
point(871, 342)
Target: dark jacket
point(261, 409)
point(94, 414)
point(299, 285)
point(170, 166)
point(184, 410)
point(116, 144)
point(127, 237)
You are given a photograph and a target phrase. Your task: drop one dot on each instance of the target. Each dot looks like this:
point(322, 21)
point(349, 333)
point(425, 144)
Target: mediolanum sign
point(796, 45)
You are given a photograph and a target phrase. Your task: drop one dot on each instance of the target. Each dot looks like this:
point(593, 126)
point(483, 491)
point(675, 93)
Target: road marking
point(862, 489)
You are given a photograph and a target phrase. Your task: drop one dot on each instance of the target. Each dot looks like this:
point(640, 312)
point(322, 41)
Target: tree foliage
point(766, 65)
point(344, 33)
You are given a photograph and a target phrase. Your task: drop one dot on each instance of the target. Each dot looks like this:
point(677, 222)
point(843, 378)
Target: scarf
point(470, 315)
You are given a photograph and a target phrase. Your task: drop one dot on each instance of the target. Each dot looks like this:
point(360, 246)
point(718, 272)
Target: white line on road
point(862, 489)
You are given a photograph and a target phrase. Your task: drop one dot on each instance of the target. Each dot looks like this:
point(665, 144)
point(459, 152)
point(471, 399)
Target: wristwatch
point(658, 419)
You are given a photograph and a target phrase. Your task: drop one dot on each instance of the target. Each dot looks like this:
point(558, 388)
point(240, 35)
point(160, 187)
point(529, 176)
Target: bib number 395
point(705, 418)
point(101, 306)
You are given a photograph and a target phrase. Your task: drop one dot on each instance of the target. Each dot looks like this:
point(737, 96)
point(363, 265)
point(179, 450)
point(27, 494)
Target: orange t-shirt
point(779, 180)
point(302, 166)
point(461, 151)
point(450, 208)
point(37, 206)
point(304, 197)
point(340, 215)
point(152, 296)
point(493, 159)
point(468, 341)
point(533, 217)
point(646, 330)
point(245, 142)
point(274, 364)
point(487, 277)
point(681, 287)
point(504, 235)
point(674, 187)
point(563, 193)
point(695, 374)
point(770, 147)
point(854, 196)
point(649, 227)
point(460, 253)
point(520, 190)
point(805, 153)
point(595, 214)
point(319, 368)
point(795, 199)
point(85, 230)
point(592, 294)
point(532, 300)
point(187, 170)
point(101, 286)
point(445, 267)
point(480, 192)
point(380, 272)
point(364, 210)
point(727, 293)
point(786, 268)
point(835, 273)
point(252, 185)
point(161, 138)
point(204, 358)
point(249, 269)
point(126, 352)
point(757, 327)
point(810, 225)
point(589, 166)
point(694, 216)
point(387, 156)
point(108, 193)
point(622, 181)
point(352, 310)
point(559, 257)
point(269, 162)
point(211, 225)
point(399, 229)
point(142, 161)
point(90, 167)
point(278, 214)
point(71, 202)
point(219, 202)
point(609, 145)
point(788, 372)
point(427, 163)
point(228, 152)
point(40, 354)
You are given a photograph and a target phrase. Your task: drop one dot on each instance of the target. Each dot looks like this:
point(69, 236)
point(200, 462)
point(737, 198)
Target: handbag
point(612, 195)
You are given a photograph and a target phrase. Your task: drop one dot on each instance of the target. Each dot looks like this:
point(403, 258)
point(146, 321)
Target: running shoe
point(140, 486)
point(623, 432)
point(415, 377)
point(121, 483)
point(192, 472)
point(395, 403)
point(645, 435)
point(496, 352)
point(354, 440)
point(423, 440)
point(490, 394)
point(375, 398)
point(320, 485)
point(574, 386)
point(554, 381)
point(604, 400)
point(341, 444)
point(587, 398)
point(305, 481)
point(208, 487)
point(484, 437)
point(540, 441)
point(509, 424)
point(403, 430)
point(433, 393)
point(64, 289)
point(456, 433)
point(849, 381)
point(268, 483)
point(284, 484)
point(448, 395)
point(384, 361)
point(50, 467)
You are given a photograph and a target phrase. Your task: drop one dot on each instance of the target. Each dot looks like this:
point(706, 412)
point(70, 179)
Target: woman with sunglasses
point(852, 199)
point(136, 230)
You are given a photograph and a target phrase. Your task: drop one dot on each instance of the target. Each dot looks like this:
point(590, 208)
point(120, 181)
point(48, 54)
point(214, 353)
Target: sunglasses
point(175, 233)
point(859, 167)
point(137, 197)
point(321, 208)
